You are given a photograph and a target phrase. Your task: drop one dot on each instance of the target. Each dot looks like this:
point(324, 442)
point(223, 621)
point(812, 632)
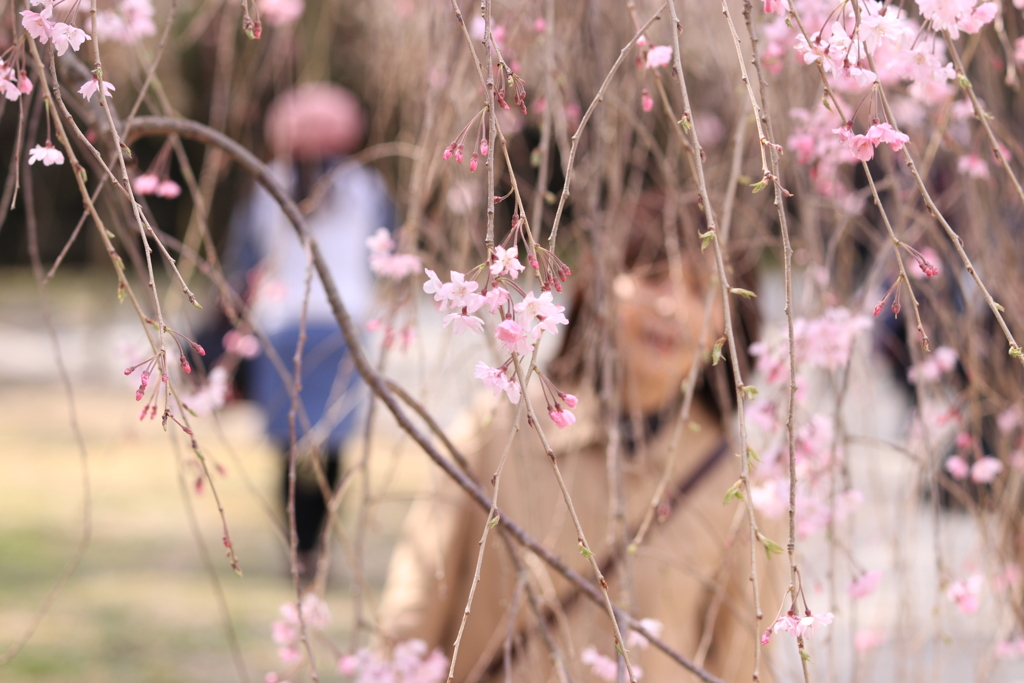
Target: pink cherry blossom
point(1009, 419)
point(862, 147)
point(809, 621)
point(570, 400)
point(638, 641)
point(65, 36)
point(496, 297)
point(865, 584)
point(92, 86)
point(884, 132)
point(646, 101)
point(985, 470)
point(934, 366)
point(463, 323)
point(506, 261)
point(281, 12)
point(433, 285)
point(512, 338)
point(168, 189)
point(659, 55)
point(972, 166)
point(965, 593)
point(868, 640)
point(380, 242)
point(145, 184)
point(38, 24)
point(774, 6)
point(496, 380)
point(561, 417)
point(544, 310)
point(49, 155)
point(957, 467)
point(457, 292)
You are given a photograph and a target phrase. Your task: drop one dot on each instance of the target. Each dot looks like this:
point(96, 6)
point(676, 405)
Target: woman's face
point(658, 327)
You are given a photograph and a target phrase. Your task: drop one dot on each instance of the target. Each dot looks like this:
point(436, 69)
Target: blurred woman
point(689, 572)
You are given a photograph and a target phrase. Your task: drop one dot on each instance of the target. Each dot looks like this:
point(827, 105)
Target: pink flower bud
point(484, 147)
point(878, 307)
point(130, 370)
point(895, 307)
point(199, 349)
point(448, 152)
point(185, 366)
point(458, 154)
point(646, 101)
point(145, 379)
point(473, 162)
point(139, 394)
point(570, 400)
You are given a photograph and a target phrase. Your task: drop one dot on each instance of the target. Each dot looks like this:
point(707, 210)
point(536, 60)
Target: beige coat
point(700, 546)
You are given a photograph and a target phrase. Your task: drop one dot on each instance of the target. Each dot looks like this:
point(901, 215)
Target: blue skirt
point(331, 387)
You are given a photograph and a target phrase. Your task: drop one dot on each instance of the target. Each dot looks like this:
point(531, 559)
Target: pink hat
point(314, 121)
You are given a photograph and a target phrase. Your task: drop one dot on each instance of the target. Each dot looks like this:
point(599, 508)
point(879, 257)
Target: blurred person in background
point(690, 573)
point(310, 131)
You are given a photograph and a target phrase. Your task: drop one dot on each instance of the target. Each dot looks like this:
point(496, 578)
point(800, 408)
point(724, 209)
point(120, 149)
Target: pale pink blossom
point(65, 36)
point(1010, 649)
point(496, 297)
point(145, 184)
point(462, 323)
point(561, 417)
point(571, 402)
point(865, 584)
point(604, 668)
point(457, 292)
point(212, 395)
point(985, 470)
point(92, 86)
point(512, 338)
point(506, 261)
point(972, 166)
point(652, 626)
point(380, 242)
point(646, 101)
point(1009, 419)
point(862, 147)
point(957, 467)
point(809, 621)
point(281, 12)
point(496, 380)
point(547, 313)
point(884, 132)
point(774, 6)
point(868, 640)
point(934, 366)
point(965, 593)
point(49, 155)
point(168, 189)
point(38, 24)
point(433, 285)
point(241, 345)
point(659, 55)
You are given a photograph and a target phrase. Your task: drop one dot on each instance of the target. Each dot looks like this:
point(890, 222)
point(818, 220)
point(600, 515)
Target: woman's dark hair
point(658, 230)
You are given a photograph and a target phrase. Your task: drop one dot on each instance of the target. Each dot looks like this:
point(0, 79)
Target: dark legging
point(310, 506)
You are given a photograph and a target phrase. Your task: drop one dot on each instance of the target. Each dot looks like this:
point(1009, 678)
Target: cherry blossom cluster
point(154, 364)
point(822, 344)
point(384, 262)
point(650, 57)
point(40, 27)
point(155, 180)
point(410, 662)
point(128, 23)
point(520, 325)
point(286, 631)
point(14, 82)
point(607, 668)
point(916, 72)
point(798, 627)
